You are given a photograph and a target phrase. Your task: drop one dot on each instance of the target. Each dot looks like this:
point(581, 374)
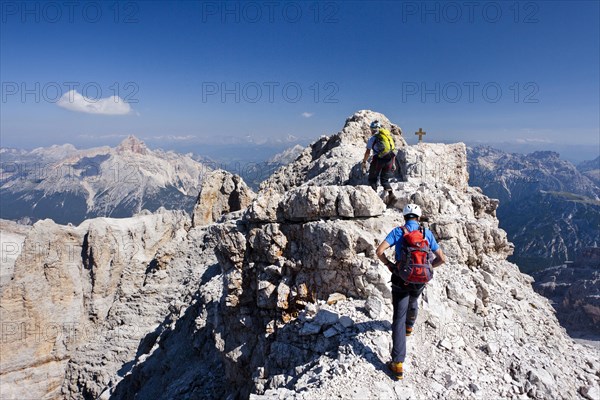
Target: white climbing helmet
point(411, 209)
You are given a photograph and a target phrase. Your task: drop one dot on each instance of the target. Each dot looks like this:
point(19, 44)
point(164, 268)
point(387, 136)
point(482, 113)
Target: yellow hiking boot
point(396, 369)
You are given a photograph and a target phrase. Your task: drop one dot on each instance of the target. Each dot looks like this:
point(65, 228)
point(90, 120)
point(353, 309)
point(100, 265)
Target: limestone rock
point(541, 379)
point(221, 193)
point(313, 234)
point(310, 203)
point(65, 282)
point(11, 243)
point(133, 145)
point(333, 160)
point(374, 306)
point(264, 208)
point(446, 344)
point(491, 348)
point(435, 163)
point(591, 392)
point(461, 295)
point(310, 328)
point(335, 297)
point(326, 318)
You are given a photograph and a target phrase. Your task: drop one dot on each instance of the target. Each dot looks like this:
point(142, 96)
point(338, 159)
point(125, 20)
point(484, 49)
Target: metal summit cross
point(421, 133)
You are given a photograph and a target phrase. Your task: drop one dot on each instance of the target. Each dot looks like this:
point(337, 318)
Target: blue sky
point(192, 74)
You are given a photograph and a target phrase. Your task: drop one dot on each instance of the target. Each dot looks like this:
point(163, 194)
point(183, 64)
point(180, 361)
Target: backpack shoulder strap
point(425, 237)
point(422, 230)
point(404, 229)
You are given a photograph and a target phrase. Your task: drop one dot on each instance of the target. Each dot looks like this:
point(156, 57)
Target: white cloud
point(533, 140)
point(171, 137)
point(307, 114)
point(113, 105)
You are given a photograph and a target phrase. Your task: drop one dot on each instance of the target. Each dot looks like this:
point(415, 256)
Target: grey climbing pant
point(406, 307)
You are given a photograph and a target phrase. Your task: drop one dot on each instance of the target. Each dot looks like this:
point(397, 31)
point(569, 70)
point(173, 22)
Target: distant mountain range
point(228, 151)
point(256, 172)
point(591, 169)
point(549, 208)
point(70, 185)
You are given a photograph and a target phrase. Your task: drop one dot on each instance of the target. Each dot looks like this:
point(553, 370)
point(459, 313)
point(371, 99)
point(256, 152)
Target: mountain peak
point(132, 144)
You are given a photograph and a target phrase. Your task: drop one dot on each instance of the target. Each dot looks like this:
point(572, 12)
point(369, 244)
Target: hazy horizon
point(263, 151)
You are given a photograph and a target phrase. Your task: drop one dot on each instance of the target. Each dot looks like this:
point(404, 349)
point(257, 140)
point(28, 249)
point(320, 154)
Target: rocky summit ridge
point(284, 298)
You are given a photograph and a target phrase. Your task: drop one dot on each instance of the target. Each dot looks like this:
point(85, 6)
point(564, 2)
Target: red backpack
point(415, 260)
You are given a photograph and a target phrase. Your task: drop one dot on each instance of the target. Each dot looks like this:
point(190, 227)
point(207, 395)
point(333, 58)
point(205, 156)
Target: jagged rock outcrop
point(549, 209)
point(65, 283)
point(310, 203)
point(333, 160)
point(287, 300)
point(221, 193)
point(158, 340)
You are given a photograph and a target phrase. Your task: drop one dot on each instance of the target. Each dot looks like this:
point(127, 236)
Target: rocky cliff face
point(70, 185)
point(287, 300)
point(11, 242)
point(549, 209)
point(66, 283)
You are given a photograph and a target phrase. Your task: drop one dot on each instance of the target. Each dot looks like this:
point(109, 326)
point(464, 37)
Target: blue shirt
point(395, 237)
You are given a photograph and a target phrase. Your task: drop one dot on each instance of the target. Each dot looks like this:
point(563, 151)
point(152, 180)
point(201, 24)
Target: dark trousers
point(406, 308)
point(381, 168)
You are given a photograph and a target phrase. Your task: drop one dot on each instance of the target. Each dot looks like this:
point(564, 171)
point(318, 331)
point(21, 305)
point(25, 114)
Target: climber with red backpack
point(417, 254)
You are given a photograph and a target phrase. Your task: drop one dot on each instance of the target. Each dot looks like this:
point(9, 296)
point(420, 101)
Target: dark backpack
point(384, 143)
point(415, 260)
